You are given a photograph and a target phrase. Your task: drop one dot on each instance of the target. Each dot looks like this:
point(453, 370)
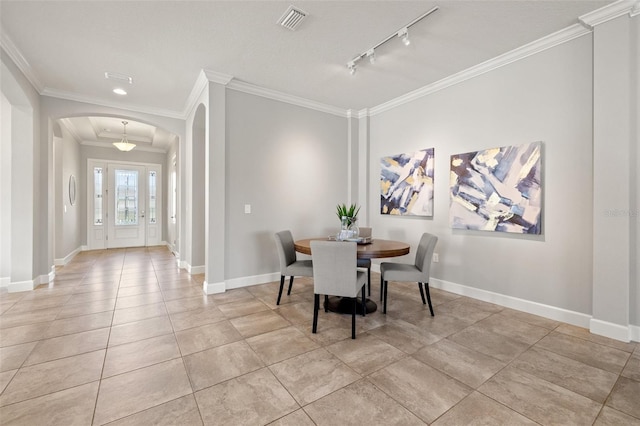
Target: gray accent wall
point(291, 165)
point(68, 229)
point(545, 97)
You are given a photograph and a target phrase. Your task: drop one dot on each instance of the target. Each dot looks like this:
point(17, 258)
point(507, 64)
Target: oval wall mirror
point(72, 189)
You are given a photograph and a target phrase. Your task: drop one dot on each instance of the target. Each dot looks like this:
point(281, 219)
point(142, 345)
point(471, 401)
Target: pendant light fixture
point(124, 144)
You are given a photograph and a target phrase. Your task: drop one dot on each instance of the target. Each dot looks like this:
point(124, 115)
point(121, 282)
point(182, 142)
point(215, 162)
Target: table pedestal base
point(344, 305)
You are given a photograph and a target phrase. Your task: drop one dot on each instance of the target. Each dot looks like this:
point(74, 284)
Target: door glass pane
point(152, 197)
point(97, 196)
point(126, 197)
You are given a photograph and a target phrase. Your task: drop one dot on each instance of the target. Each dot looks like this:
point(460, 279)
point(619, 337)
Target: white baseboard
point(67, 258)
point(5, 281)
point(602, 328)
point(613, 331)
point(182, 264)
point(608, 329)
point(18, 286)
point(535, 308)
point(195, 270)
point(84, 248)
point(213, 288)
point(252, 280)
point(46, 279)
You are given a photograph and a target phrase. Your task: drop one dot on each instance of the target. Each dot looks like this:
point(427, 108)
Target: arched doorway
point(121, 196)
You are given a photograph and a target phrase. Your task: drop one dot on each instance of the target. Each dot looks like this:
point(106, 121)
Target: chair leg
point(426, 287)
point(326, 303)
point(353, 318)
point(316, 306)
point(369, 280)
point(364, 300)
point(386, 286)
point(424, 302)
point(281, 287)
point(290, 285)
point(381, 287)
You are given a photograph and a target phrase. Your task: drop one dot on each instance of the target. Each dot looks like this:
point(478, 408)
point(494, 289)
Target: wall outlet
point(436, 258)
point(247, 208)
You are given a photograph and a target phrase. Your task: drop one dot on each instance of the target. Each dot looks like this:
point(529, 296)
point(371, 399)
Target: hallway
point(124, 337)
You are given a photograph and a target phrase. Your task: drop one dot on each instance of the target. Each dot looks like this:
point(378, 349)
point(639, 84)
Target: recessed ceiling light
point(119, 91)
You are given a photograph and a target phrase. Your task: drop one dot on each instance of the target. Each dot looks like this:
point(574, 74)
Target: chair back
point(334, 268)
point(286, 249)
point(364, 231)
point(425, 252)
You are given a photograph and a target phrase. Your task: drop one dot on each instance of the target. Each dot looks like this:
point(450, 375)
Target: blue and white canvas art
point(406, 184)
point(498, 189)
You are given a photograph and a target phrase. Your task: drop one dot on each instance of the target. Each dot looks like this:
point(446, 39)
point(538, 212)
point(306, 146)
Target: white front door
point(126, 206)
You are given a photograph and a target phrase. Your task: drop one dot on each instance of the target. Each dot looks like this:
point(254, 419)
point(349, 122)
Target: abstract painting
point(406, 184)
point(497, 189)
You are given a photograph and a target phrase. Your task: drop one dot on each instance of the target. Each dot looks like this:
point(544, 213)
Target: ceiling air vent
point(292, 18)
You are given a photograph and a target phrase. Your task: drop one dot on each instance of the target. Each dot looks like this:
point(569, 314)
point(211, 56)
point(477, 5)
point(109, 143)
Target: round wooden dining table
point(375, 249)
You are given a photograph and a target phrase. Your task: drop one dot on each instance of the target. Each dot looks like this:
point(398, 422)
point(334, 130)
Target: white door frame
point(98, 231)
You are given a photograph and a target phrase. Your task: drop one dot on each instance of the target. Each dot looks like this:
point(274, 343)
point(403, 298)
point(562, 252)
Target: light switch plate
point(247, 208)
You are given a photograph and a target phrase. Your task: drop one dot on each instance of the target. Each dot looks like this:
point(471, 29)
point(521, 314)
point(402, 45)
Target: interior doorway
point(124, 207)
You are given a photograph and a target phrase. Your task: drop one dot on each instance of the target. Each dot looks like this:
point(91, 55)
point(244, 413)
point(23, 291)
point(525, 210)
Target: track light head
point(352, 67)
point(371, 54)
point(404, 35)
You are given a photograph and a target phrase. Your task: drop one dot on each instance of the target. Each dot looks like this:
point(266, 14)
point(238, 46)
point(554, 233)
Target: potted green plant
point(351, 213)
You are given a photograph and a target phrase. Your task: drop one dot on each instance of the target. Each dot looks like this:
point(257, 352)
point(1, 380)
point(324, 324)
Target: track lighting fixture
point(402, 33)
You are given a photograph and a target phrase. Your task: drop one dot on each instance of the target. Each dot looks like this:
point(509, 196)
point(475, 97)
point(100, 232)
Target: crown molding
point(284, 97)
point(217, 77)
point(71, 129)
point(21, 62)
point(608, 12)
point(585, 25)
point(522, 52)
point(199, 85)
point(204, 78)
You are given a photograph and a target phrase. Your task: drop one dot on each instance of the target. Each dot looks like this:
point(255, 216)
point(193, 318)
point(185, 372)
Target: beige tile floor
point(123, 337)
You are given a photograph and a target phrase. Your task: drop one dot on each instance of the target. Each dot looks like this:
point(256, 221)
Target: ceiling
point(68, 46)
point(103, 131)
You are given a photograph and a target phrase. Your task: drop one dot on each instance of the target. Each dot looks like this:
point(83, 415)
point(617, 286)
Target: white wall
point(546, 97)
point(290, 164)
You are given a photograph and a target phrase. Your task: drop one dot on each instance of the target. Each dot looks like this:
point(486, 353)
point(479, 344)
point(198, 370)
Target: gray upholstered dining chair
point(418, 272)
point(289, 263)
point(365, 232)
point(335, 274)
